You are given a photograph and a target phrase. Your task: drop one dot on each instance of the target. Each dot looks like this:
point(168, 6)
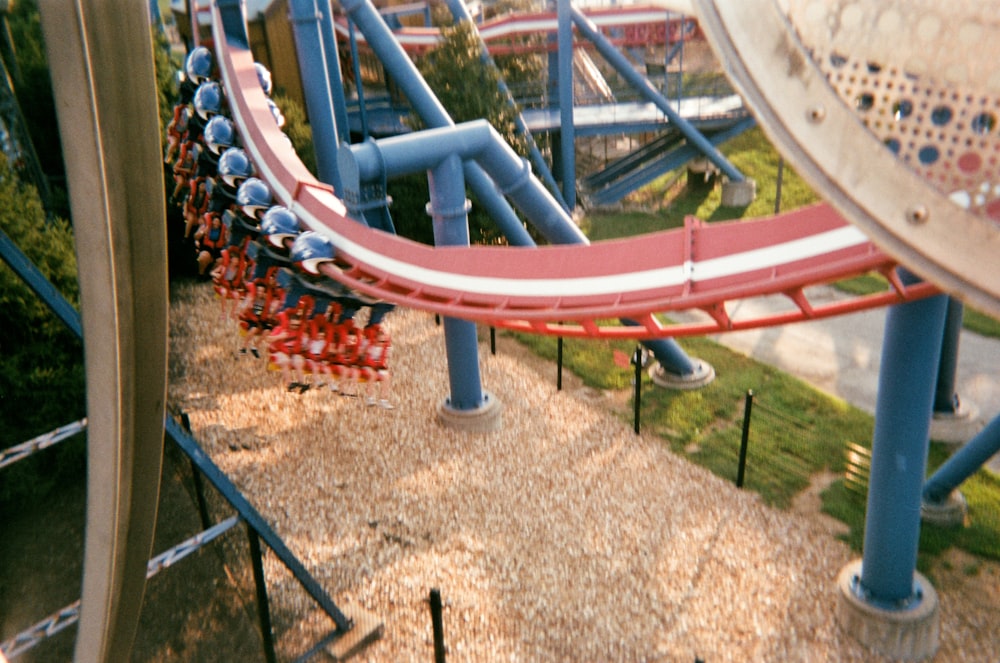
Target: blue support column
point(356, 65)
point(884, 602)
point(305, 18)
point(910, 354)
point(567, 130)
point(963, 464)
point(449, 209)
point(945, 398)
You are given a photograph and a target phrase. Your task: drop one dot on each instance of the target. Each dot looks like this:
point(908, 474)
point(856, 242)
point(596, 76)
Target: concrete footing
point(738, 194)
point(702, 375)
point(907, 634)
point(484, 419)
point(956, 427)
point(950, 513)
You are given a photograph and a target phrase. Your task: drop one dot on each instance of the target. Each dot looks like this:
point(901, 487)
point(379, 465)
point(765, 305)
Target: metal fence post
point(559, 362)
point(437, 624)
point(263, 606)
point(744, 443)
point(637, 380)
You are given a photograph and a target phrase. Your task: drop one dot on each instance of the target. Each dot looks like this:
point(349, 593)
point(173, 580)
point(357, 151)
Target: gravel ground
point(562, 537)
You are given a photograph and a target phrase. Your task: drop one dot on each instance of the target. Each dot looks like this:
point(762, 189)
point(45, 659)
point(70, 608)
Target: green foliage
point(297, 129)
point(409, 208)
point(167, 68)
point(34, 91)
point(753, 156)
point(41, 361)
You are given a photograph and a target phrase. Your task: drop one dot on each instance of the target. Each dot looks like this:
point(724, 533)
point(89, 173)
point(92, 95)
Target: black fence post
point(637, 380)
point(199, 488)
point(493, 341)
point(263, 606)
point(437, 623)
point(747, 409)
point(559, 353)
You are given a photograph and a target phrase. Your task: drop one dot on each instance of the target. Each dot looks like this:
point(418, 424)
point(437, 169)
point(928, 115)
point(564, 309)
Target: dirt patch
point(810, 503)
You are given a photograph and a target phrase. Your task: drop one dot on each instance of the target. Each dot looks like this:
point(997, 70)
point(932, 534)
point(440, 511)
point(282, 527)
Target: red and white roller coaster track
point(571, 290)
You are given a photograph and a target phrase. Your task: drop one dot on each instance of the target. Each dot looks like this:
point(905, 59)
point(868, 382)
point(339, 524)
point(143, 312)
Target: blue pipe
point(459, 13)
point(963, 463)
point(305, 18)
point(477, 141)
point(567, 130)
point(357, 79)
point(640, 83)
point(911, 351)
point(430, 110)
point(449, 210)
point(945, 398)
point(333, 71)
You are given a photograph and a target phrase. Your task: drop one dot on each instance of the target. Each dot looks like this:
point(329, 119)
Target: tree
point(469, 88)
point(41, 361)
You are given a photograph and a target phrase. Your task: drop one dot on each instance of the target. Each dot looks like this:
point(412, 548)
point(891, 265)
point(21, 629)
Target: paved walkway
point(841, 356)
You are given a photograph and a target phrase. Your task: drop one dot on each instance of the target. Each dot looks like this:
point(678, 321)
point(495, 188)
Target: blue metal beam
point(255, 520)
point(305, 18)
point(35, 280)
point(911, 350)
point(567, 132)
point(449, 209)
point(644, 87)
point(963, 463)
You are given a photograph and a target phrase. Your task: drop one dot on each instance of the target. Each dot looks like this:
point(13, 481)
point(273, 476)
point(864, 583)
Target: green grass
point(796, 430)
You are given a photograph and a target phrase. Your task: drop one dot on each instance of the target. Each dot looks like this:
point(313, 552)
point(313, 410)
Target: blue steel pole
point(333, 71)
point(567, 131)
point(358, 85)
point(963, 463)
point(646, 89)
point(305, 18)
point(449, 208)
point(945, 397)
point(911, 350)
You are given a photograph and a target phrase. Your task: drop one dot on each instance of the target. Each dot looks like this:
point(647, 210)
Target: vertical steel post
point(911, 350)
point(559, 362)
point(449, 209)
point(745, 441)
point(358, 83)
point(334, 74)
point(263, 604)
point(945, 397)
point(437, 624)
point(305, 19)
point(637, 380)
point(567, 131)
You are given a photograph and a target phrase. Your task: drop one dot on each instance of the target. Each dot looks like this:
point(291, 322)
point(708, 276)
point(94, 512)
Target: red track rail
point(699, 266)
point(633, 26)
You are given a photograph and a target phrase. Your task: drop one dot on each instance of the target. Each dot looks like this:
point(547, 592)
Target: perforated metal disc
point(891, 109)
